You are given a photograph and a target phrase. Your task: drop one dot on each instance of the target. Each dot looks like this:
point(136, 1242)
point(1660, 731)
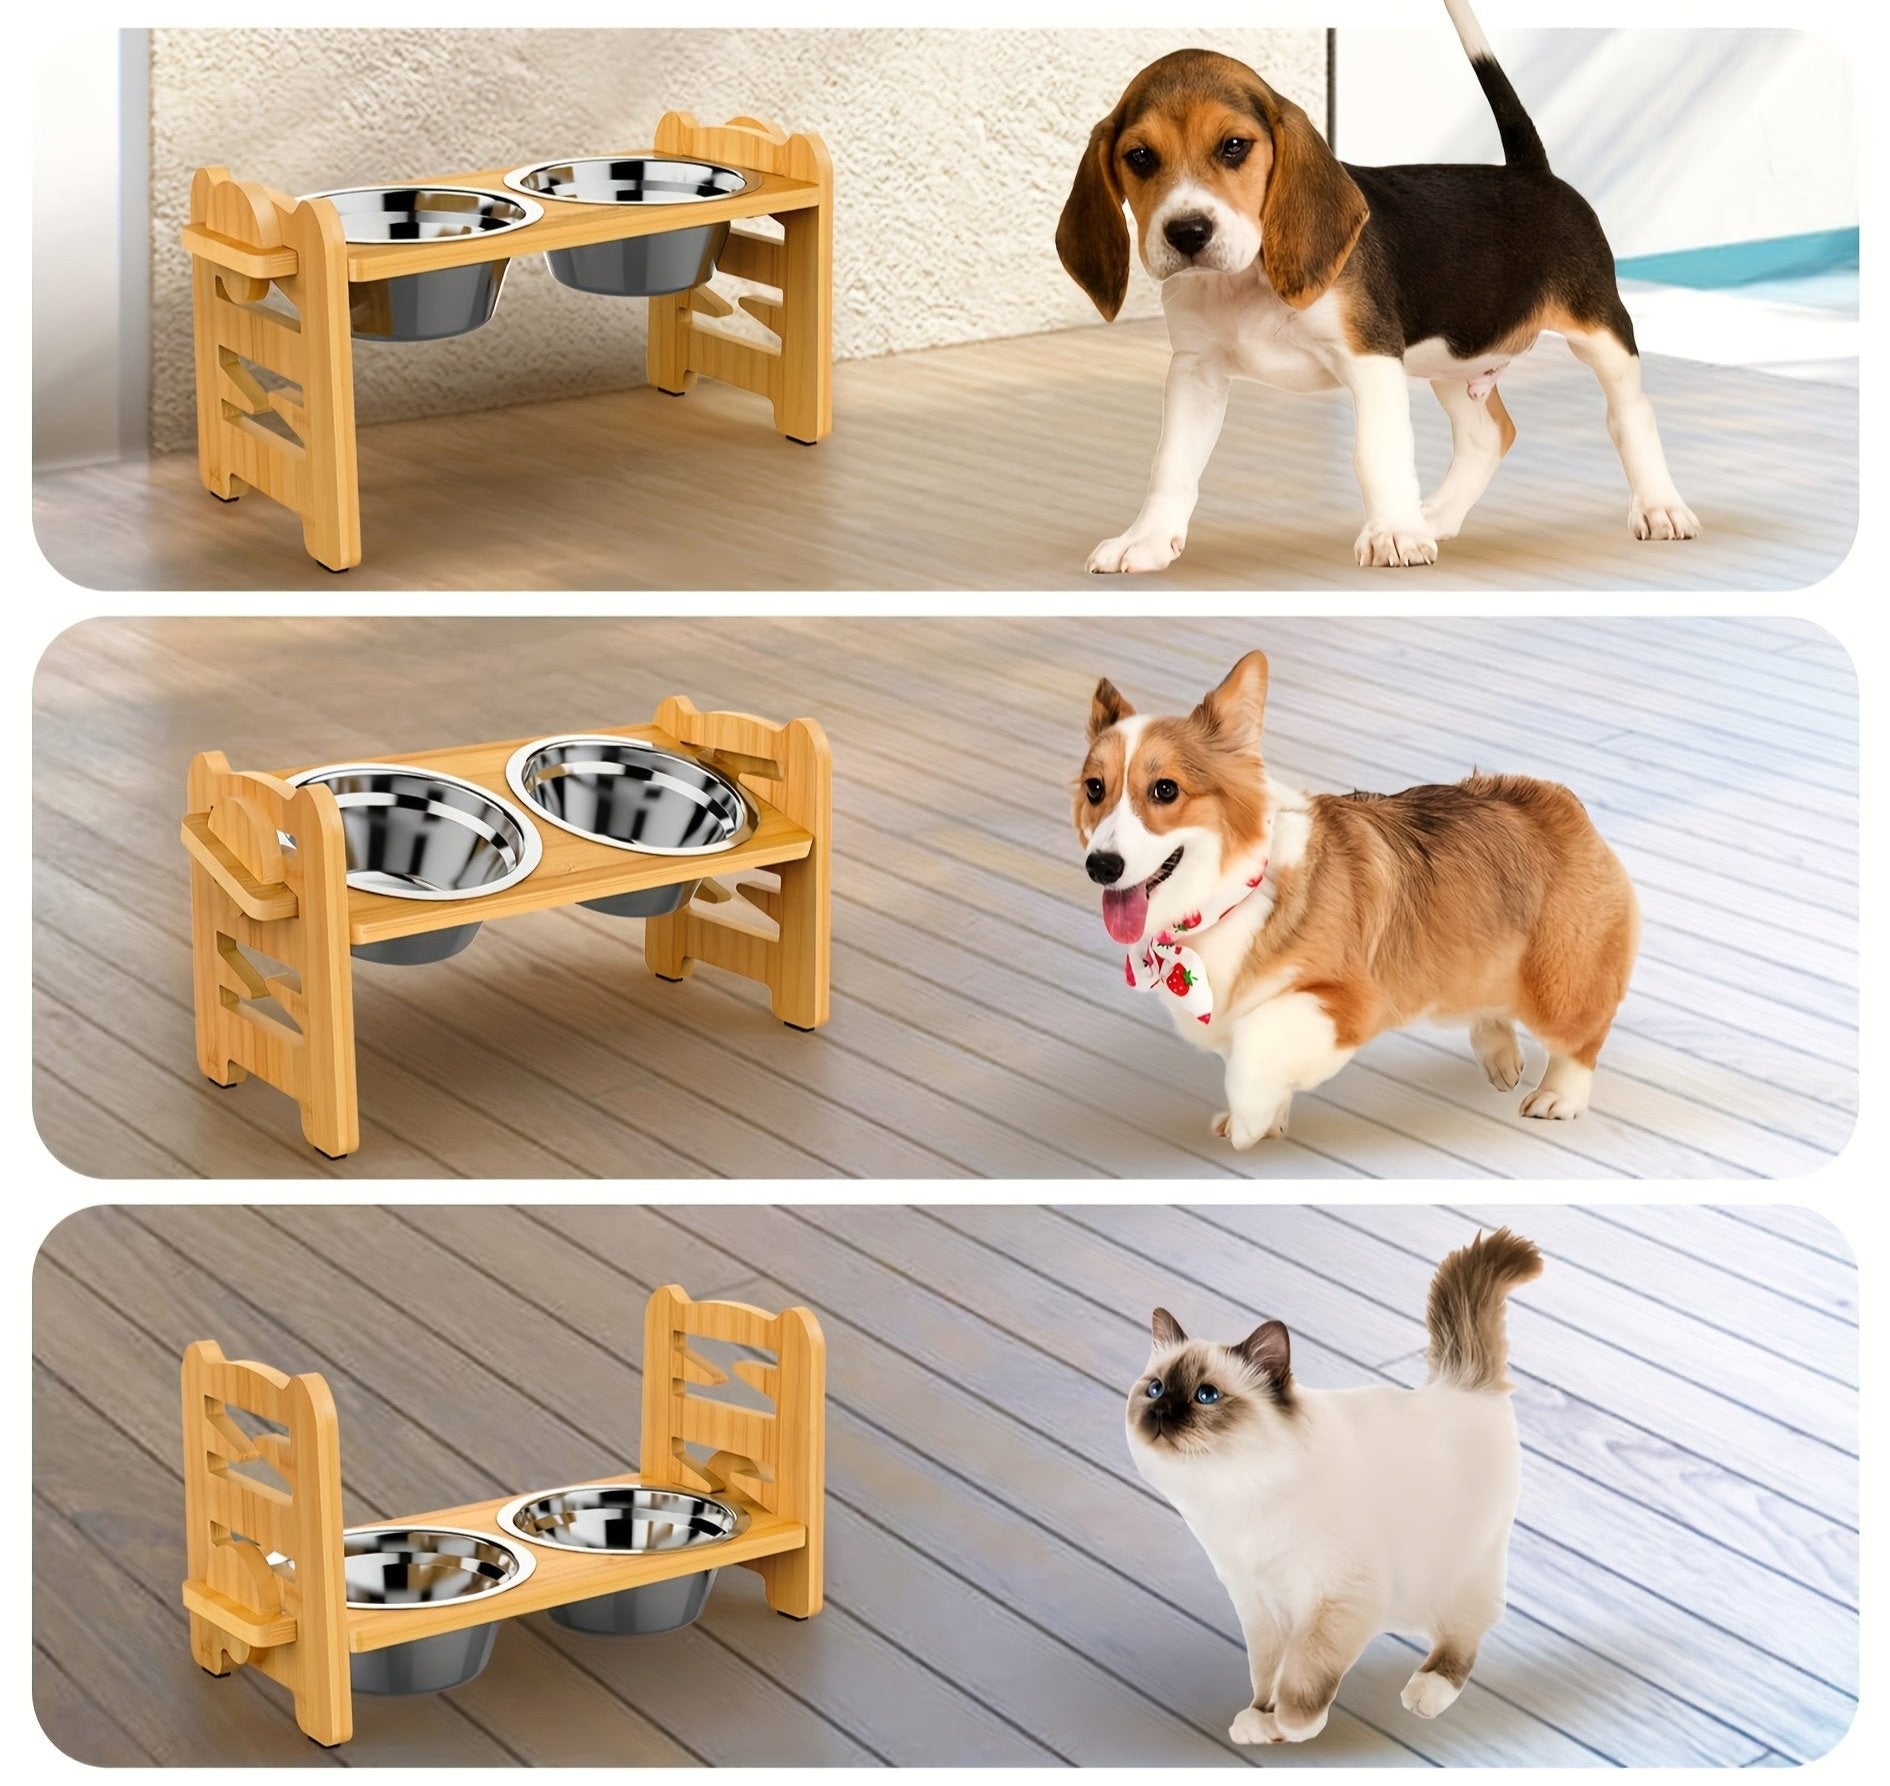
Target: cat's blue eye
point(1154, 1389)
point(1207, 1395)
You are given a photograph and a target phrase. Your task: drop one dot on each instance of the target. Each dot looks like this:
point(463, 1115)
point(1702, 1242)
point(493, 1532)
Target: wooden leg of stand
point(804, 409)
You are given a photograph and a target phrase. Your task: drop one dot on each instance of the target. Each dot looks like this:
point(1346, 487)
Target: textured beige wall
point(953, 151)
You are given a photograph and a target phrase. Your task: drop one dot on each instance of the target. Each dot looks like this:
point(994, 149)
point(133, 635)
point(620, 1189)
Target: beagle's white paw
point(1138, 550)
point(1669, 520)
point(1444, 523)
point(1383, 544)
point(1255, 1726)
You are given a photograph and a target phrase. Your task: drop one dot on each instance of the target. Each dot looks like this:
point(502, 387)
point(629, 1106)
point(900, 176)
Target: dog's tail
point(1469, 1336)
point(1522, 147)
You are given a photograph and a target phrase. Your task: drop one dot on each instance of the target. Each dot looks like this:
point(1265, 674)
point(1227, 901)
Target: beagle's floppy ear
point(1092, 235)
point(1313, 211)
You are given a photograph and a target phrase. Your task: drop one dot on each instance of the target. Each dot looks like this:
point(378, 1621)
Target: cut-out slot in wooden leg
point(242, 1615)
point(779, 935)
point(294, 444)
point(779, 1458)
point(792, 365)
point(273, 977)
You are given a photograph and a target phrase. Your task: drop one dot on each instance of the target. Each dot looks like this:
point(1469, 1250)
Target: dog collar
point(1165, 960)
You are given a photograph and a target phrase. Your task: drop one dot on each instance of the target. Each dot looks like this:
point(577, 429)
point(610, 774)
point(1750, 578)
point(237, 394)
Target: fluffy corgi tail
point(1522, 147)
point(1469, 1336)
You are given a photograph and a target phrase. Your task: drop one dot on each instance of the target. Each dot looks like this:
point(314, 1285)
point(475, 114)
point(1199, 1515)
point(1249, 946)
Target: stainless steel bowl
point(624, 1520)
point(425, 1566)
point(633, 796)
point(419, 834)
point(427, 306)
point(645, 266)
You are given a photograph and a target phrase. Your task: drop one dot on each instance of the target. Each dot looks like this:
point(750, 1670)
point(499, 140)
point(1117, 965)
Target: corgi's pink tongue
point(1125, 911)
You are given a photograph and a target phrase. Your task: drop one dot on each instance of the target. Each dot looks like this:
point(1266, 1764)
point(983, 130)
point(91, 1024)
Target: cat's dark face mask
point(1196, 1394)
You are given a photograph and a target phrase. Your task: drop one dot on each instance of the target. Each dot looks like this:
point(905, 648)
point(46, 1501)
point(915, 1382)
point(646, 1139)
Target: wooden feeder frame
point(299, 1630)
point(296, 442)
point(292, 1025)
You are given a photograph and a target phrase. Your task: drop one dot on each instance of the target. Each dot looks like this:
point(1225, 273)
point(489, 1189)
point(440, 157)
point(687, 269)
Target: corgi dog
point(1285, 930)
point(1331, 1515)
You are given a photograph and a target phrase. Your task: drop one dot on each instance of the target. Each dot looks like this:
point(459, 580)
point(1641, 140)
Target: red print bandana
point(1164, 960)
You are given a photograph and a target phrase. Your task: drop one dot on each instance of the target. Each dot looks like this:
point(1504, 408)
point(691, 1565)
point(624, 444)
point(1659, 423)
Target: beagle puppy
point(1282, 264)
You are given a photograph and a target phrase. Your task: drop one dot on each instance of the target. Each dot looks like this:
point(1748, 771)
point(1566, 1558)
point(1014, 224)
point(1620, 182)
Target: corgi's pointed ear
point(1235, 710)
point(1269, 1349)
point(1106, 706)
point(1092, 235)
point(1313, 211)
point(1164, 1329)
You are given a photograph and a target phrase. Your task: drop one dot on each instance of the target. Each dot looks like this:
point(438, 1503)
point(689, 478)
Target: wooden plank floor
point(980, 1026)
point(993, 466)
point(1002, 1588)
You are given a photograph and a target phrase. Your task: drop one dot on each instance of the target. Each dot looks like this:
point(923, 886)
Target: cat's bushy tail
point(1469, 1337)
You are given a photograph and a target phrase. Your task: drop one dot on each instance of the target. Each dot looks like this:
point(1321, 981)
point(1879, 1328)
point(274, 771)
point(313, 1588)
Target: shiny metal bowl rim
point(506, 1541)
point(532, 208)
point(507, 1516)
point(515, 780)
point(530, 855)
point(515, 180)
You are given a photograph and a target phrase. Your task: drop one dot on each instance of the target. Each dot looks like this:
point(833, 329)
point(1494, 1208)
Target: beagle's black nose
point(1189, 234)
point(1105, 867)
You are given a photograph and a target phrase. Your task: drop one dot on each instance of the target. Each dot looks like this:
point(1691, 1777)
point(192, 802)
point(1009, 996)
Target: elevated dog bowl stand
point(244, 238)
point(299, 1630)
point(290, 1019)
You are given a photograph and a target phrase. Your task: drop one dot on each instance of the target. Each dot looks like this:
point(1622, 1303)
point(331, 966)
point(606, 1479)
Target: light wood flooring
point(993, 466)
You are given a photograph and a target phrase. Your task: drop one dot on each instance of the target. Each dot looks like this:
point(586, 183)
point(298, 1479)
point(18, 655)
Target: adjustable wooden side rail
point(271, 927)
point(294, 1624)
point(293, 438)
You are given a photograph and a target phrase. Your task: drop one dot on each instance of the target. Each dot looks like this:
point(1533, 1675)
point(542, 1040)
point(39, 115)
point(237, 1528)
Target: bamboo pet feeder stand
point(297, 1628)
point(289, 1018)
point(296, 443)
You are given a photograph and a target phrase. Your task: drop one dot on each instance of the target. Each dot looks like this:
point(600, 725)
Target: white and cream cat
point(1334, 1515)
